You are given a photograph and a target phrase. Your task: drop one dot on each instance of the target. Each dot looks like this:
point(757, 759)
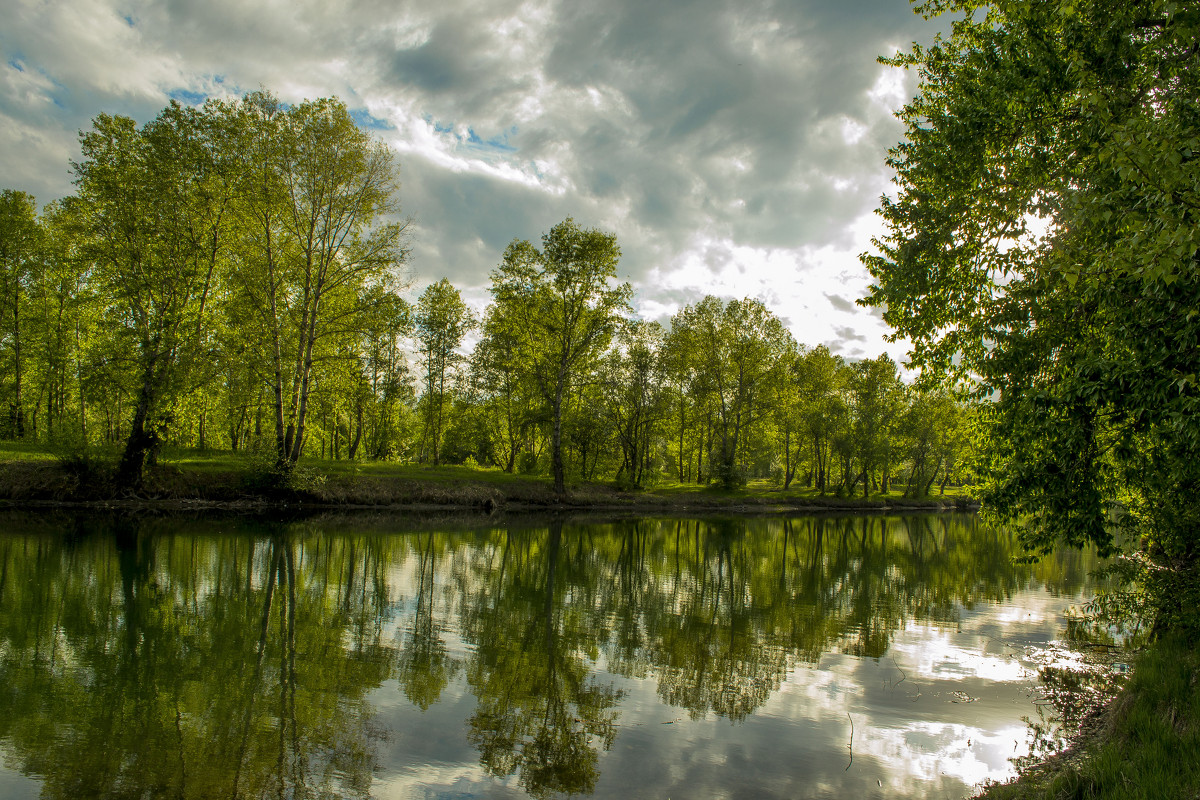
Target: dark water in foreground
point(352, 657)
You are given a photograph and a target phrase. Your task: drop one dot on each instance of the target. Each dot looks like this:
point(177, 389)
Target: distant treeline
point(231, 277)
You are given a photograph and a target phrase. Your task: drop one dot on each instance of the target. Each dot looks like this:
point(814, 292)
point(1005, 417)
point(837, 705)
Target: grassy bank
point(1144, 746)
point(29, 475)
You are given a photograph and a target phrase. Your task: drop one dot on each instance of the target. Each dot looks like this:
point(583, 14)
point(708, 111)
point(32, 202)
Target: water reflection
point(218, 658)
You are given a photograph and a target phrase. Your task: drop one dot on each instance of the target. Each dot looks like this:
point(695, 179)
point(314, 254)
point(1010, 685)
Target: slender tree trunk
point(556, 456)
point(933, 477)
point(18, 409)
point(352, 451)
point(305, 380)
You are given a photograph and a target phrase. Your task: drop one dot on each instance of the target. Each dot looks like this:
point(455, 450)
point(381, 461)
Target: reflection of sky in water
point(766, 617)
point(940, 713)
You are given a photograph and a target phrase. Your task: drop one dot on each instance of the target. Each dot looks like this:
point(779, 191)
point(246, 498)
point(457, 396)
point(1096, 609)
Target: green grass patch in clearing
point(228, 461)
point(24, 451)
point(1147, 746)
point(767, 489)
point(223, 475)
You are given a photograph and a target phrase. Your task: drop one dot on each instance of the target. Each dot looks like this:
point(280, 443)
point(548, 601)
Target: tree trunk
point(353, 449)
point(140, 442)
point(18, 410)
point(556, 458)
point(787, 459)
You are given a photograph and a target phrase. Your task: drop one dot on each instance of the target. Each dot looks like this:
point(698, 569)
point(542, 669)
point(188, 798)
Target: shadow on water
point(201, 657)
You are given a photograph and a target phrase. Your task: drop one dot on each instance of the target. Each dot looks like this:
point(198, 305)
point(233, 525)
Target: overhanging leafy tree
point(560, 309)
point(1083, 117)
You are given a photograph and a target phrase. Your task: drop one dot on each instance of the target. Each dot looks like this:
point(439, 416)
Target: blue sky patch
point(187, 96)
point(363, 119)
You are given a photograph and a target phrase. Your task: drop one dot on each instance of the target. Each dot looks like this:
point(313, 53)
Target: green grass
point(223, 474)
point(764, 488)
point(1147, 746)
point(228, 461)
point(24, 451)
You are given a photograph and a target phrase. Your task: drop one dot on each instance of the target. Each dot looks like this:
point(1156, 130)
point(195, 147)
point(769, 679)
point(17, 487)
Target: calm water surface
point(393, 658)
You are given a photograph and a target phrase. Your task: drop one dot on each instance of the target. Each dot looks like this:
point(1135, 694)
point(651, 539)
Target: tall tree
point(63, 305)
point(501, 386)
point(442, 320)
point(560, 307)
point(317, 210)
point(876, 402)
point(634, 396)
point(1081, 115)
point(738, 349)
point(20, 246)
point(820, 377)
point(155, 206)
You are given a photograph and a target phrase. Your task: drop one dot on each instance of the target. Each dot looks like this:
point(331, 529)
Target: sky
point(735, 147)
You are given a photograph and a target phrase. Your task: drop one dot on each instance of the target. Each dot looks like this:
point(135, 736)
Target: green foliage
point(735, 354)
point(442, 320)
point(1079, 118)
point(1148, 745)
point(559, 309)
point(228, 278)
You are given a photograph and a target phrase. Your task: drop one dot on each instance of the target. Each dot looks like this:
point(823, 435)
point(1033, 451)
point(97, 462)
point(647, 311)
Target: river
point(415, 657)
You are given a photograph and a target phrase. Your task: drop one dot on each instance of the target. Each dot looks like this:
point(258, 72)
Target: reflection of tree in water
point(722, 611)
point(424, 667)
point(709, 654)
point(540, 715)
point(151, 659)
point(187, 666)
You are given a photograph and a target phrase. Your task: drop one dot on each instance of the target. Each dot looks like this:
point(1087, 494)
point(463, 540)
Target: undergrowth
point(1146, 746)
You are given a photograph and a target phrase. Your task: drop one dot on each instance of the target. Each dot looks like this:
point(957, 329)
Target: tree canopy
point(1042, 251)
point(229, 277)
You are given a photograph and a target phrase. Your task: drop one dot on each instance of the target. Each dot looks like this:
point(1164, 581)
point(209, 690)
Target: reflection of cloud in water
point(443, 780)
point(940, 704)
point(932, 751)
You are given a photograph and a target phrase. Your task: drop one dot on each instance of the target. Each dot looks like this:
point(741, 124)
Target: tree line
point(232, 276)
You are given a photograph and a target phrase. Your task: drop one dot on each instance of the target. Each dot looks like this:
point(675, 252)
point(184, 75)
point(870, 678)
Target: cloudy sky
point(736, 147)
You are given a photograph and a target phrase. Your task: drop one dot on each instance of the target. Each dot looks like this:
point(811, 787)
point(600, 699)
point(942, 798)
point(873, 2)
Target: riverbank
point(232, 481)
point(1144, 745)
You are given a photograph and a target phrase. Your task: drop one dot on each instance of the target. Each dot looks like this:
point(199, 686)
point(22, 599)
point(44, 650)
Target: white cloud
point(733, 147)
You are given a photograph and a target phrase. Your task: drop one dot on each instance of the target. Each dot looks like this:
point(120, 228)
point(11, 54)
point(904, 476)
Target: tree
point(317, 240)
point(442, 320)
point(63, 303)
point(820, 376)
point(787, 416)
point(875, 405)
point(1080, 117)
point(154, 200)
point(738, 350)
point(931, 430)
point(385, 371)
point(634, 400)
point(20, 245)
point(501, 388)
point(560, 309)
